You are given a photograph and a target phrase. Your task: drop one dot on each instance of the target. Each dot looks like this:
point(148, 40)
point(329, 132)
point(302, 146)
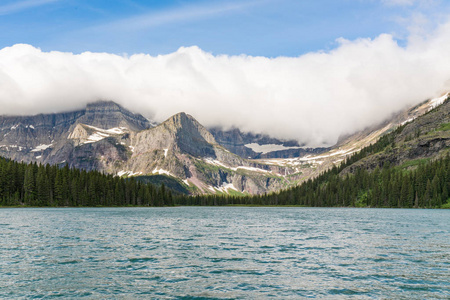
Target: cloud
point(406, 3)
point(399, 2)
point(17, 6)
point(313, 98)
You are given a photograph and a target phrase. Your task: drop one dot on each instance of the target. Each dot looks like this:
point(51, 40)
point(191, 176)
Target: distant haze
point(313, 98)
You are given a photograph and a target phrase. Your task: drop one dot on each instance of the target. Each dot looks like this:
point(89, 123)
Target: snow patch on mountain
point(220, 164)
point(340, 152)
point(250, 169)
point(266, 148)
point(17, 125)
point(162, 172)
point(98, 136)
point(224, 188)
point(128, 173)
point(41, 147)
point(216, 163)
point(406, 121)
point(438, 101)
point(12, 146)
point(95, 134)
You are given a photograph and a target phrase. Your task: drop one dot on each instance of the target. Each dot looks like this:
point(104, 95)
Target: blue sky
point(259, 28)
point(310, 70)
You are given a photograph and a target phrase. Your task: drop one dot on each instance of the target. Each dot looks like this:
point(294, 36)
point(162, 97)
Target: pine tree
point(59, 189)
point(42, 188)
point(29, 187)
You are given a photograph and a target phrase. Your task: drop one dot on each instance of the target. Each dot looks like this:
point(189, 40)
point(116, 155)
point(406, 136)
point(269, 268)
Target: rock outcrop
point(182, 148)
point(107, 114)
point(45, 138)
point(241, 143)
point(111, 139)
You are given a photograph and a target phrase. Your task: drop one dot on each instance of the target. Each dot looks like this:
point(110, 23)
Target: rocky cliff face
point(423, 139)
point(109, 138)
point(257, 146)
point(182, 148)
point(47, 138)
point(428, 114)
point(107, 114)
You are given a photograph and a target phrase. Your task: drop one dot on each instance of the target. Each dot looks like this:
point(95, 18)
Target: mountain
point(407, 167)
point(44, 138)
point(312, 166)
point(260, 146)
point(106, 137)
point(426, 138)
point(182, 148)
point(107, 114)
point(179, 152)
point(256, 146)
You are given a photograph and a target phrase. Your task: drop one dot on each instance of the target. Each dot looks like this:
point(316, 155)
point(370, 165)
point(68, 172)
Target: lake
point(224, 253)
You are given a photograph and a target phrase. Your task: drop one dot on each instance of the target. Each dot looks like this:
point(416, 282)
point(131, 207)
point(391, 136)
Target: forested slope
point(24, 184)
point(409, 167)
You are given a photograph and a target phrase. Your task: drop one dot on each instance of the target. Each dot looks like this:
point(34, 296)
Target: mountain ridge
point(108, 138)
point(406, 168)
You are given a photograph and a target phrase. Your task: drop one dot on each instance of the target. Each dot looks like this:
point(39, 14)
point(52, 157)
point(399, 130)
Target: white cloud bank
point(313, 98)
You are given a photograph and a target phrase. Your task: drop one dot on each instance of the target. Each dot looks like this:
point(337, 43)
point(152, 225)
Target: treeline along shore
point(37, 185)
point(425, 185)
point(44, 185)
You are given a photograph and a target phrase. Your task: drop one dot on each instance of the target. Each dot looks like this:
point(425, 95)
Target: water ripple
point(224, 253)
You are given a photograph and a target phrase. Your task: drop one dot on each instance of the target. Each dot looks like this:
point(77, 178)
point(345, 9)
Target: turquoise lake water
point(224, 253)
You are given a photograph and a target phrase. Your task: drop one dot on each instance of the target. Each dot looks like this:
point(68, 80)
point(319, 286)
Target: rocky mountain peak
point(107, 137)
point(184, 125)
point(108, 114)
point(180, 119)
point(103, 106)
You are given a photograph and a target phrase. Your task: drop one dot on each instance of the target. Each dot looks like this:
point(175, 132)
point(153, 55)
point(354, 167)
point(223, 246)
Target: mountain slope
point(46, 138)
point(313, 165)
point(109, 138)
point(408, 167)
point(257, 146)
point(182, 148)
point(426, 138)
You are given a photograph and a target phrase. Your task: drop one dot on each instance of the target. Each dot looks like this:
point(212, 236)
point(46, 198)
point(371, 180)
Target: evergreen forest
point(38, 185)
point(424, 185)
